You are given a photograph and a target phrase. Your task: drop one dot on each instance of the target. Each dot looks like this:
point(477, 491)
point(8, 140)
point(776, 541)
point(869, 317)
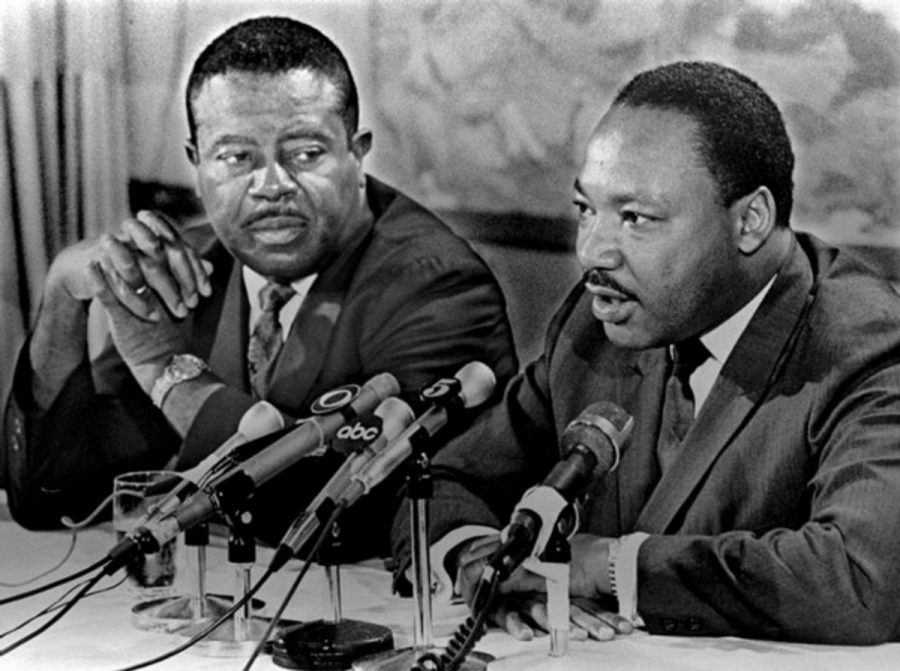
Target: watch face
point(187, 366)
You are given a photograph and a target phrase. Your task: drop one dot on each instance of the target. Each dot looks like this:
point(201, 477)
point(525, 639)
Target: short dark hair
point(742, 141)
point(272, 45)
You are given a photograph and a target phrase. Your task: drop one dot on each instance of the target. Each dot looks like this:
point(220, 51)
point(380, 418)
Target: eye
point(634, 219)
point(234, 158)
point(582, 208)
point(306, 157)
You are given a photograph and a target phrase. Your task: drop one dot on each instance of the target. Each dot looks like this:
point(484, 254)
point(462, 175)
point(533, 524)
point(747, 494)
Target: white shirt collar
point(253, 282)
point(722, 339)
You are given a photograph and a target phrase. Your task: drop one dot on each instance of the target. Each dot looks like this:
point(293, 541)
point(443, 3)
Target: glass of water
point(152, 576)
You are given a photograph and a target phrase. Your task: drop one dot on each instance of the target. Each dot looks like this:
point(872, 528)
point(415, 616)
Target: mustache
point(269, 212)
point(599, 278)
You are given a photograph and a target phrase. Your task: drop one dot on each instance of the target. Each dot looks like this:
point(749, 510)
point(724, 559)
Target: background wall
point(481, 108)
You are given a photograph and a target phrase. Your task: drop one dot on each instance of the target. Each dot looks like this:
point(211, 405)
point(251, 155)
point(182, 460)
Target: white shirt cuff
point(623, 555)
point(441, 581)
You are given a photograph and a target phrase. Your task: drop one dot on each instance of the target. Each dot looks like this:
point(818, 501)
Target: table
point(97, 634)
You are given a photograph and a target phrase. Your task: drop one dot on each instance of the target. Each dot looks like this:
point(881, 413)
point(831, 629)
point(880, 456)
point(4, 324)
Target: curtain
point(63, 144)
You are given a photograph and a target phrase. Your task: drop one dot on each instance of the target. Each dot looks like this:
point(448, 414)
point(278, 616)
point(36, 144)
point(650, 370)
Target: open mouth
point(610, 305)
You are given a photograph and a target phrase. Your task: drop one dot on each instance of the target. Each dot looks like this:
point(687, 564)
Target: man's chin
point(625, 337)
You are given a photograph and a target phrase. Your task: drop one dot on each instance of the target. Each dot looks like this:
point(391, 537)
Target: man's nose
point(599, 244)
point(271, 182)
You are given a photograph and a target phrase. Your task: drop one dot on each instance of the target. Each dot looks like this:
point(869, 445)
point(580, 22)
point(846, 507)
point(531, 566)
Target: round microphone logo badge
point(334, 400)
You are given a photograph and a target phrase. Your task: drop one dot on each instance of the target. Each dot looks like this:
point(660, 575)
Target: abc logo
point(357, 431)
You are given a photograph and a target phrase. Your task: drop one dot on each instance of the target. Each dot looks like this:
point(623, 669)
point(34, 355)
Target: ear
point(755, 218)
point(193, 155)
point(190, 148)
point(361, 143)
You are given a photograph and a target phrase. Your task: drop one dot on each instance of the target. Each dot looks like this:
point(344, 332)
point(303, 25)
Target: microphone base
point(404, 658)
point(324, 645)
point(172, 614)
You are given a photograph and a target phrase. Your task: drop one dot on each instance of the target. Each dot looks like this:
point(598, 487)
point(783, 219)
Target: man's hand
point(135, 272)
point(521, 605)
point(146, 265)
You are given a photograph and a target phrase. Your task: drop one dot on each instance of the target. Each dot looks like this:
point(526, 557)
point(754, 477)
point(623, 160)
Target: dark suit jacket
point(780, 517)
point(407, 297)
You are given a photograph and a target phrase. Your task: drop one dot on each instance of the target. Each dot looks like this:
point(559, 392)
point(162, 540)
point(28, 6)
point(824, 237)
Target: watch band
point(181, 368)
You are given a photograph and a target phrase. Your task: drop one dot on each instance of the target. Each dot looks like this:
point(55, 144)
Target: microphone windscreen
point(477, 382)
point(602, 428)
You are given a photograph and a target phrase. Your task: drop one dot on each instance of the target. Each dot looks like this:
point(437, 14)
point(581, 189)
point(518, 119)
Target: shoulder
point(854, 314)
point(408, 237)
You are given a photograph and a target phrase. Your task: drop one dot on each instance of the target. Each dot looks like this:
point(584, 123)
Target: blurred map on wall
point(486, 105)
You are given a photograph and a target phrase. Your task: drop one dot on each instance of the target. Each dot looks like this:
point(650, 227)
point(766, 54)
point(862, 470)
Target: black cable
point(53, 620)
point(323, 534)
point(466, 636)
point(55, 583)
point(205, 632)
point(59, 602)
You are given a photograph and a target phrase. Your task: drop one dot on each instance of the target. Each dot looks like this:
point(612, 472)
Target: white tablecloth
point(98, 633)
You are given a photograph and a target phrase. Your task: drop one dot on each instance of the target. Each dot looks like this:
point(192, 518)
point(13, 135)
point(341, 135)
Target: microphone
point(261, 419)
point(472, 385)
point(332, 410)
point(591, 447)
point(393, 415)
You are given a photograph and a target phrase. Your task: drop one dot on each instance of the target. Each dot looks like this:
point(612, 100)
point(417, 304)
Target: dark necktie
point(266, 340)
point(678, 405)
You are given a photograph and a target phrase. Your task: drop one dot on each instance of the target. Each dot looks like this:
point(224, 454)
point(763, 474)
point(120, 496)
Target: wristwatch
point(181, 368)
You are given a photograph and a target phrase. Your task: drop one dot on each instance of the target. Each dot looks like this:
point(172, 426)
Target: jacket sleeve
point(834, 578)
point(62, 461)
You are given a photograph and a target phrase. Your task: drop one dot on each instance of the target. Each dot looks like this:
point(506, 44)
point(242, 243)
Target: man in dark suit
point(773, 509)
point(369, 282)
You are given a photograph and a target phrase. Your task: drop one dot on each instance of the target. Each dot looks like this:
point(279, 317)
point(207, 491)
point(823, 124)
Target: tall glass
point(151, 576)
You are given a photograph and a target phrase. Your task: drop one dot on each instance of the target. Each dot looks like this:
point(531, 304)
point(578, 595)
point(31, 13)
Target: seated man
point(369, 282)
point(763, 500)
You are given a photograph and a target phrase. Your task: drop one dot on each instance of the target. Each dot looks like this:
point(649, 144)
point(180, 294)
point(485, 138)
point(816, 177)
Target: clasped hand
point(521, 606)
point(145, 275)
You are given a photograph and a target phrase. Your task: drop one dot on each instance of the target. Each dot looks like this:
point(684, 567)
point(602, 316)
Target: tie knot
point(688, 356)
point(273, 296)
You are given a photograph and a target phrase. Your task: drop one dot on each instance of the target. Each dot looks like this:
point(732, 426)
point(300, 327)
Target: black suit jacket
point(406, 297)
point(780, 517)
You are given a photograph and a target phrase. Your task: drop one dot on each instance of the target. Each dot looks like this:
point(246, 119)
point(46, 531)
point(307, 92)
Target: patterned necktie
point(678, 405)
point(266, 339)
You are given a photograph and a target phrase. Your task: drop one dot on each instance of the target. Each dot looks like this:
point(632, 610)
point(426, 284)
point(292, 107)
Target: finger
point(536, 609)
point(164, 284)
point(622, 625)
point(510, 620)
point(187, 267)
point(117, 256)
point(593, 625)
point(114, 294)
point(160, 224)
point(141, 237)
point(182, 268)
point(126, 280)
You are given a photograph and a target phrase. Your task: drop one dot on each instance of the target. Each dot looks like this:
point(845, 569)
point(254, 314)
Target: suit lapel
point(743, 383)
point(306, 346)
point(638, 470)
point(227, 319)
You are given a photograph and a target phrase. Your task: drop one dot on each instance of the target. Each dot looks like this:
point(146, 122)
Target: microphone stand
point(420, 492)
point(334, 643)
point(244, 626)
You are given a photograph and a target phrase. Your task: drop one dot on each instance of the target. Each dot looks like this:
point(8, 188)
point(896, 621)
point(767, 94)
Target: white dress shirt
point(254, 282)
